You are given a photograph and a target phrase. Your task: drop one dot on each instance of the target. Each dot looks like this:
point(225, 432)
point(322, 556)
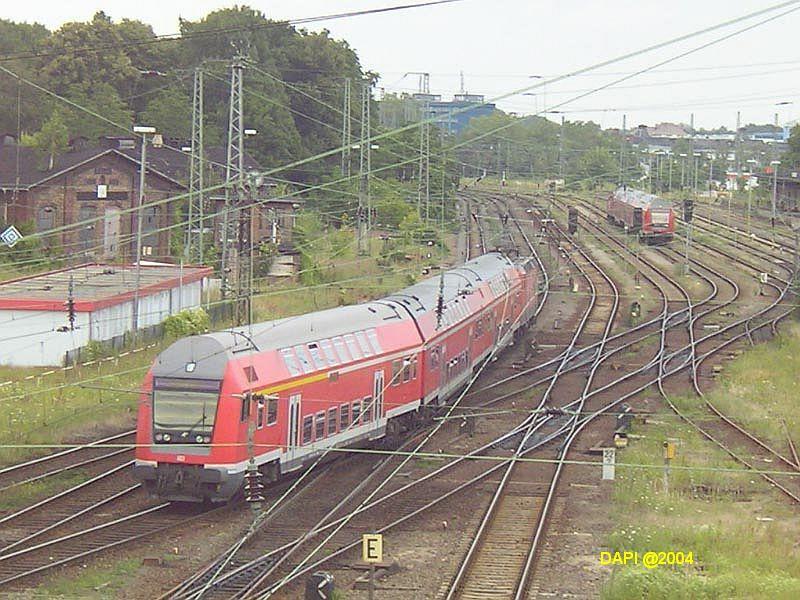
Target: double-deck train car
point(281, 392)
point(649, 216)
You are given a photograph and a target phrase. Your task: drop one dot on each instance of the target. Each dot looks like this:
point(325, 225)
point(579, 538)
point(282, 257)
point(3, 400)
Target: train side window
point(341, 349)
point(250, 373)
point(245, 412)
point(333, 417)
point(290, 361)
point(397, 366)
point(308, 428)
point(351, 346)
point(435, 357)
point(406, 369)
point(260, 414)
point(344, 417)
point(272, 411)
point(372, 335)
point(363, 343)
point(356, 412)
point(316, 355)
point(319, 425)
point(330, 354)
point(413, 367)
point(305, 361)
point(367, 409)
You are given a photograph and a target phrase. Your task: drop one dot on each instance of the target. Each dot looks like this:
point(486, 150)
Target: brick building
point(92, 182)
point(100, 181)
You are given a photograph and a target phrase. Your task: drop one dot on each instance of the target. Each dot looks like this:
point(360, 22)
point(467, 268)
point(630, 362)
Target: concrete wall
point(29, 338)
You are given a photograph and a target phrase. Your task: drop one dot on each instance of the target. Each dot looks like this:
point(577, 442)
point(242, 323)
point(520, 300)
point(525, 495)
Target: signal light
point(688, 210)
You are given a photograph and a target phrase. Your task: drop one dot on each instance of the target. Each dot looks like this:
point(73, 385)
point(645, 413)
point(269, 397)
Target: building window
point(86, 231)
point(46, 218)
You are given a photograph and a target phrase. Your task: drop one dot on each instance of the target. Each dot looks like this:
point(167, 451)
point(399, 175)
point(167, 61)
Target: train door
point(378, 394)
point(292, 441)
point(637, 219)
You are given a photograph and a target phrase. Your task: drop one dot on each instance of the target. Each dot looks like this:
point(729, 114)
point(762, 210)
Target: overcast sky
point(499, 44)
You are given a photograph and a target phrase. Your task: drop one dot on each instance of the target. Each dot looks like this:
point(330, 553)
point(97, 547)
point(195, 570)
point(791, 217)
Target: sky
point(502, 46)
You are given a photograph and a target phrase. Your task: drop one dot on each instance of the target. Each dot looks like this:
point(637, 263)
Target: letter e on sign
point(372, 547)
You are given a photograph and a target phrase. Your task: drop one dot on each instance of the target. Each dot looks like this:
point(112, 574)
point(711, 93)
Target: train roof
point(640, 199)
point(424, 296)
point(215, 349)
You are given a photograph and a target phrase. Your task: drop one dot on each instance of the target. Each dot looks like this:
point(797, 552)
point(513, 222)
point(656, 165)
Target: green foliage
point(168, 111)
point(187, 322)
point(792, 155)
point(51, 139)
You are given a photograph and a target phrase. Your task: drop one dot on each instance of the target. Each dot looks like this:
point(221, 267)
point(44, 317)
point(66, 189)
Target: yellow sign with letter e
point(372, 547)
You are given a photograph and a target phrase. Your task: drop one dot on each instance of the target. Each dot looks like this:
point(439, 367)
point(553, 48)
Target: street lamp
point(774, 164)
point(683, 169)
point(752, 162)
point(144, 131)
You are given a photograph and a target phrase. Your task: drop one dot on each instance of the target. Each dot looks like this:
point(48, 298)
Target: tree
point(68, 64)
point(51, 139)
point(791, 157)
point(20, 38)
point(170, 112)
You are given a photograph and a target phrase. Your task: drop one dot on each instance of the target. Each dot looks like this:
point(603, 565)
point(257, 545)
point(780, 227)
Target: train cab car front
point(187, 483)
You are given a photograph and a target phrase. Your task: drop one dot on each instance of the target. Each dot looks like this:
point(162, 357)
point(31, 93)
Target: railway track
point(716, 432)
point(496, 581)
point(58, 463)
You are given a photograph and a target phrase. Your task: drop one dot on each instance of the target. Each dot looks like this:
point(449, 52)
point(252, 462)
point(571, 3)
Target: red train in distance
point(283, 391)
point(650, 217)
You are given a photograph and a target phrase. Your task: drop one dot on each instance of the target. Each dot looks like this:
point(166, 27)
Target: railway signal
point(688, 210)
point(572, 220)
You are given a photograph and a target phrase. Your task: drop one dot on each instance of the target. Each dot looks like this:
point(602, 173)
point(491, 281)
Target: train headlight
point(199, 439)
point(167, 437)
point(207, 439)
point(159, 437)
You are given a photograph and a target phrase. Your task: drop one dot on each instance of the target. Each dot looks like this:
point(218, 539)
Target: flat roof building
point(35, 316)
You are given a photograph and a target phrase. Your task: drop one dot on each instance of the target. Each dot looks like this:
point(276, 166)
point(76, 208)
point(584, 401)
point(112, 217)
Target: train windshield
point(185, 405)
point(660, 217)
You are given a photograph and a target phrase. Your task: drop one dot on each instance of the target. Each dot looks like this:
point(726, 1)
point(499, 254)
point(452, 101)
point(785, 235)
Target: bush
point(187, 322)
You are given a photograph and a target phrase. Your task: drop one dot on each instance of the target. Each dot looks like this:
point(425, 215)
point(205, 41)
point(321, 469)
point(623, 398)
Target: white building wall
point(28, 338)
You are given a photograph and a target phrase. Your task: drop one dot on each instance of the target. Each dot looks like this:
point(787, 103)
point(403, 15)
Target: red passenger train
point(649, 216)
point(283, 391)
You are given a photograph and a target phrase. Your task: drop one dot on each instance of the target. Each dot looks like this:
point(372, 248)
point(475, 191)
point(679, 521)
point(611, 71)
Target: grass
point(742, 533)
point(761, 388)
point(28, 493)
point(95, 582)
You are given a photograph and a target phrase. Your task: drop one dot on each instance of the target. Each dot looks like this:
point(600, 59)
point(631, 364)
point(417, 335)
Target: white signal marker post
point(372, 552)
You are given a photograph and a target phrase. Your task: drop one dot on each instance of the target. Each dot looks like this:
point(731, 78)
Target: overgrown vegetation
point(743, 535)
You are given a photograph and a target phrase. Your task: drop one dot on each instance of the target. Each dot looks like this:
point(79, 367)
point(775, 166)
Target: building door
point(292, 440)
point(378, 394)
point(111, 232)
